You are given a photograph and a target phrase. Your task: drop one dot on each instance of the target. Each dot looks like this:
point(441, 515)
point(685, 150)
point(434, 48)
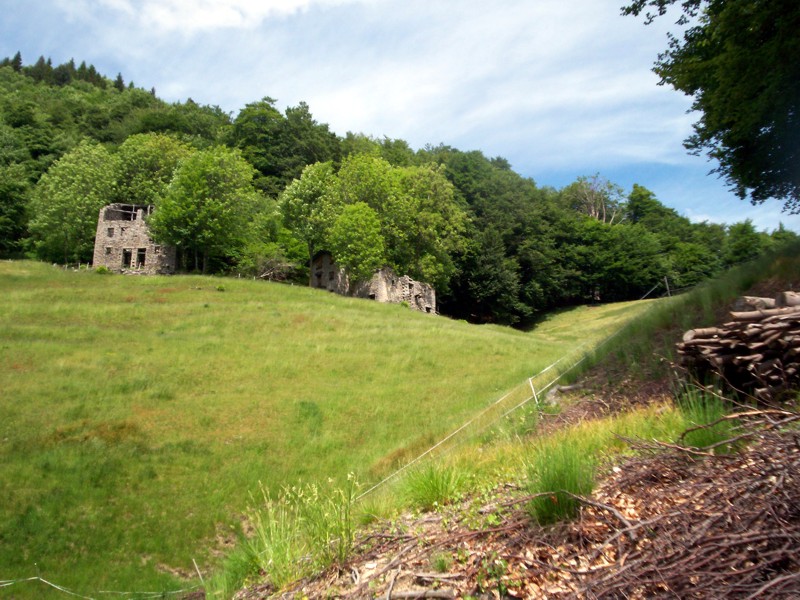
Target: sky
point(559, 88)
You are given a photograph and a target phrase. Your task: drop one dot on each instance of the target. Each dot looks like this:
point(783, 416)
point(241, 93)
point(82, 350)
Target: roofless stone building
point(385, 285)
point(123, 244)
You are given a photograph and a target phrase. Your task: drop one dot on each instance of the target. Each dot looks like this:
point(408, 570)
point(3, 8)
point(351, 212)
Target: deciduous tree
point(356, 242)
point(309, 206)
point(596, 197)
point(147, 163)
point(66, 203)
point(207, 208)
point(740, 62)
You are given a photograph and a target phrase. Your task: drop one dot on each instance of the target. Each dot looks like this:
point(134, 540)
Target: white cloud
point(192, 16)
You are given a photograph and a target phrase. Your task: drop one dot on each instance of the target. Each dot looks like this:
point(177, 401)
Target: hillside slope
point(140, 414)
point(688, 504)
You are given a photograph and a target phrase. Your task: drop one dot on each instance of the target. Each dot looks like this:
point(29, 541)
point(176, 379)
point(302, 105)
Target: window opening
point(127, 257)
point(140, 256)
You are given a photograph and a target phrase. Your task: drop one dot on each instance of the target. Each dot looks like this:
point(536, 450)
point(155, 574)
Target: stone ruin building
point(385, 285)
point(123, 244)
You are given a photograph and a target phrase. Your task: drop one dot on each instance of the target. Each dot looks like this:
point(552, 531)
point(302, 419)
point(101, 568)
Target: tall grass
point(558, 473)
point(304, 529)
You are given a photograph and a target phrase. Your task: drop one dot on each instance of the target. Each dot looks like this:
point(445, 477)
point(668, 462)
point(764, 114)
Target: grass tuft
point(304, 529)
point(704, 414)
point(556, 471)
point(433, 485)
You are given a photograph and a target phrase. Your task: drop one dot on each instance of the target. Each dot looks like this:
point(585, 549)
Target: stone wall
point(122, 243)
point(326, 275)
point(385, 285)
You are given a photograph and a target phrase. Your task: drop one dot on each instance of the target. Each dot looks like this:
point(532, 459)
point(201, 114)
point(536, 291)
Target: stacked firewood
point(757, 352)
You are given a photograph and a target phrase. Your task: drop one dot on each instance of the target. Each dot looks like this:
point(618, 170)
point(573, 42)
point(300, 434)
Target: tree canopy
point(740, 62)
point(207, 208)
point(496, 246)
point(67, 201)
point(147, 163)
point(421, 223)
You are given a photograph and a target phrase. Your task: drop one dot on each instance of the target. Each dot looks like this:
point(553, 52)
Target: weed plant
point(441, 562)
point(556, 471)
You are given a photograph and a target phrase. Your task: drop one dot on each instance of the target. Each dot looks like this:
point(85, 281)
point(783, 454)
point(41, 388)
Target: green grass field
point(139, 414)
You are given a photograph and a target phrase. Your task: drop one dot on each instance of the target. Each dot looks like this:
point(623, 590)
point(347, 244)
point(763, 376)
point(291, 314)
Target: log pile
point(757, 352)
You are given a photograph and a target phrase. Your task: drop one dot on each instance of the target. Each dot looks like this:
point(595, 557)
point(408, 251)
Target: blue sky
point(560, 88)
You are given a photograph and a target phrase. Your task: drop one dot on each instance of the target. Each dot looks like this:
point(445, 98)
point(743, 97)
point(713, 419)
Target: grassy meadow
point(139, 415)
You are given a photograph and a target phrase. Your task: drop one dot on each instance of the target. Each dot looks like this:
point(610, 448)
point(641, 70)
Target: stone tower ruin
point(123, 244)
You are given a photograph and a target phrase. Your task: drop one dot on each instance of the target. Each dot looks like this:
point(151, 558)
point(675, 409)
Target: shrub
point(102, 270)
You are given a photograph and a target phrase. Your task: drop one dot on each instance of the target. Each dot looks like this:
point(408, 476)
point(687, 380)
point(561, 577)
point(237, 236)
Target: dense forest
point(265, 190)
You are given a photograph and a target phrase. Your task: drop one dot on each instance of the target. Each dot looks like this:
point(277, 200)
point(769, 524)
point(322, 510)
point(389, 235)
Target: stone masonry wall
point(385, 285)
point(123, 245)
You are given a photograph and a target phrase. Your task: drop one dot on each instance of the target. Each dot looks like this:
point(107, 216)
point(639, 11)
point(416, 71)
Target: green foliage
point(559, 471)
point(492, 280)
point(309, 207)
point(356, 241)
point(66, 203)
point(394, 151)
point(429, 226)
point(207, 208)
point(732, 61)
point(147, 163)
point(270, 252)
point(279, 146)
point(743, 243)
point(14, 190)
point(420, 223)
